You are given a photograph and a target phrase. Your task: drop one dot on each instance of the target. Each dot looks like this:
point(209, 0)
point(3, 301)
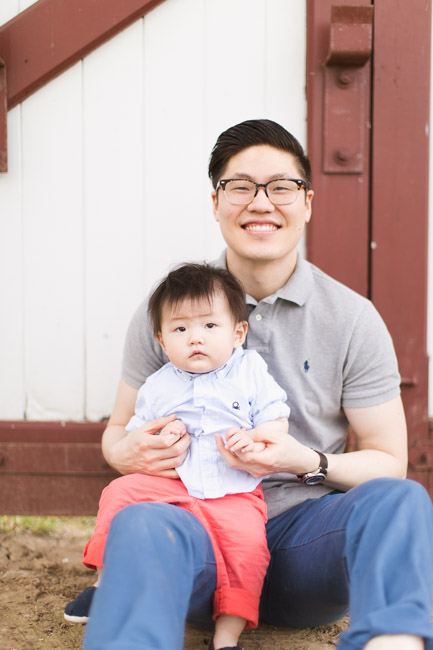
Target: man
point(345, 532)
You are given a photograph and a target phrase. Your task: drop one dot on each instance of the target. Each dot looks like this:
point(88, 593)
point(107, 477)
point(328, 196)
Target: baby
point(211, 386)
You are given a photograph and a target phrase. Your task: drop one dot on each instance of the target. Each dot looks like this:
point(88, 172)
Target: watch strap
point(322, 469)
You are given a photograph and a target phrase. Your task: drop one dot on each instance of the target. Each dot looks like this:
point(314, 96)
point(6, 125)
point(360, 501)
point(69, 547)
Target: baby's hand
point(238, 440)
point(176, 428)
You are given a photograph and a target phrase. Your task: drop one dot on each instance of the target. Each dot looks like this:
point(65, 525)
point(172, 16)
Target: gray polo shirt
point(324, 344)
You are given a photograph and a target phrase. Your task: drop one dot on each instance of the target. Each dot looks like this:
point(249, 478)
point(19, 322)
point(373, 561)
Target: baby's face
point(200, 336)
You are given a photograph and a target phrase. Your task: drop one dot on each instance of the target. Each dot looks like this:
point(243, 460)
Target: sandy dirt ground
point(40, 574)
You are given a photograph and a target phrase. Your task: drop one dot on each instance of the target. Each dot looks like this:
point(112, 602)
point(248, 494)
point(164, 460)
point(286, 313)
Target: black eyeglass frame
point(223, 182)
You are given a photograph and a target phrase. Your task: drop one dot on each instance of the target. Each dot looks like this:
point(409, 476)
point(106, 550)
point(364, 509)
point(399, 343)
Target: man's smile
point(260, 227)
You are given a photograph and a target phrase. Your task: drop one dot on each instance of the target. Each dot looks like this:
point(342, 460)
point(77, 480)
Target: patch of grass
point(47, 525)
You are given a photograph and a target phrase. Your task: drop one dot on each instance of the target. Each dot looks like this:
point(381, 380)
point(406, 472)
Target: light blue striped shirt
point(240, 393)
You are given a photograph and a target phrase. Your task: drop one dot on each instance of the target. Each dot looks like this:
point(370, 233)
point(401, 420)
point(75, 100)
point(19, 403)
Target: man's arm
point(381, 437)
point(141, 450)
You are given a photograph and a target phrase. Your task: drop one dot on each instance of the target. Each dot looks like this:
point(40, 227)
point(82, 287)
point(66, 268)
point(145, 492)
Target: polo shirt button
point(258, 317)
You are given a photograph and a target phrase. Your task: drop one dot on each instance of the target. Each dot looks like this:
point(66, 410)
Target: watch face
point(314, 480)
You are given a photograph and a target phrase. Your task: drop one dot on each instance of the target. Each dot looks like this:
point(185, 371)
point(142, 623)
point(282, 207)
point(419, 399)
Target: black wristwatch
point(319, 475)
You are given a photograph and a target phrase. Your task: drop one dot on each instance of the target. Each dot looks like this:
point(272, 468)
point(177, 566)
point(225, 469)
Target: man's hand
point(144, 452)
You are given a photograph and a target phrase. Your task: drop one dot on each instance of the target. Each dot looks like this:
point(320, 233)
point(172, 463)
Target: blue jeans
point(370, 547)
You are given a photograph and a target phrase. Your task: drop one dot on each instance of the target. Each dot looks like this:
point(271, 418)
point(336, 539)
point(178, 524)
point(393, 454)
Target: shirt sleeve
point(269, 399)
point(370, 372)
point(142, 354)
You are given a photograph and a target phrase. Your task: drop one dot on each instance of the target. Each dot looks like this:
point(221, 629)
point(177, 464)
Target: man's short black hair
point(252, 133)
point(197, 282)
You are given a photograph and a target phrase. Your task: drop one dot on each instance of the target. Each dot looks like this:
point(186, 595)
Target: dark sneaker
point(234, 647)
point(77, 611)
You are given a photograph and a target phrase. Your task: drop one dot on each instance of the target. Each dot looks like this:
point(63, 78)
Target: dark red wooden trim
point(50, 495)
point(35, 431)
point(52, 468)
point(338, 235)
point(51, 35)
point(384, 256)
point(3, 119)
point(400, 163)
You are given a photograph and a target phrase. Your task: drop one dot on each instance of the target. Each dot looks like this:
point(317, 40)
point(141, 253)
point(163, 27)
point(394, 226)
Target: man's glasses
point(240, 191)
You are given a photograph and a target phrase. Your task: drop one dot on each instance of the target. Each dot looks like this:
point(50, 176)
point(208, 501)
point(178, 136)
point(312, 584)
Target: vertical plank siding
point(107, 185)
point(52, 190)
point(8, 10)
point(112, 212)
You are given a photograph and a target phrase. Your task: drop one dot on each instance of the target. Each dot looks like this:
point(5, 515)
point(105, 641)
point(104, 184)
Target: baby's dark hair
point(197, 282)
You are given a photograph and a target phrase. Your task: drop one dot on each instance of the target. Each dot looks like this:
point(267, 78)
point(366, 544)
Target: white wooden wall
point(107, 185)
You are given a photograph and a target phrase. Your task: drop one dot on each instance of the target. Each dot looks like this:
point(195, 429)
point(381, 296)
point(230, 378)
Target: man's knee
point(391, 502)
point(158, 523)
point(398, 491)
point(147, 517)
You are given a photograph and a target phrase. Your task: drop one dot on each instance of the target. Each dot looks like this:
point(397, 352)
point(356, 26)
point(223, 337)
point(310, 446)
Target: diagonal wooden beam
point(51, 35)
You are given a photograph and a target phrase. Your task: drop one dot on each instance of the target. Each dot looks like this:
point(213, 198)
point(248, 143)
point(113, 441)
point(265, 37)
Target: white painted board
point(53, 249)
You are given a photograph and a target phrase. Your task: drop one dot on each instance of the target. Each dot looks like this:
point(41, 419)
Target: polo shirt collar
point(297, 289)
point(299, 286)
